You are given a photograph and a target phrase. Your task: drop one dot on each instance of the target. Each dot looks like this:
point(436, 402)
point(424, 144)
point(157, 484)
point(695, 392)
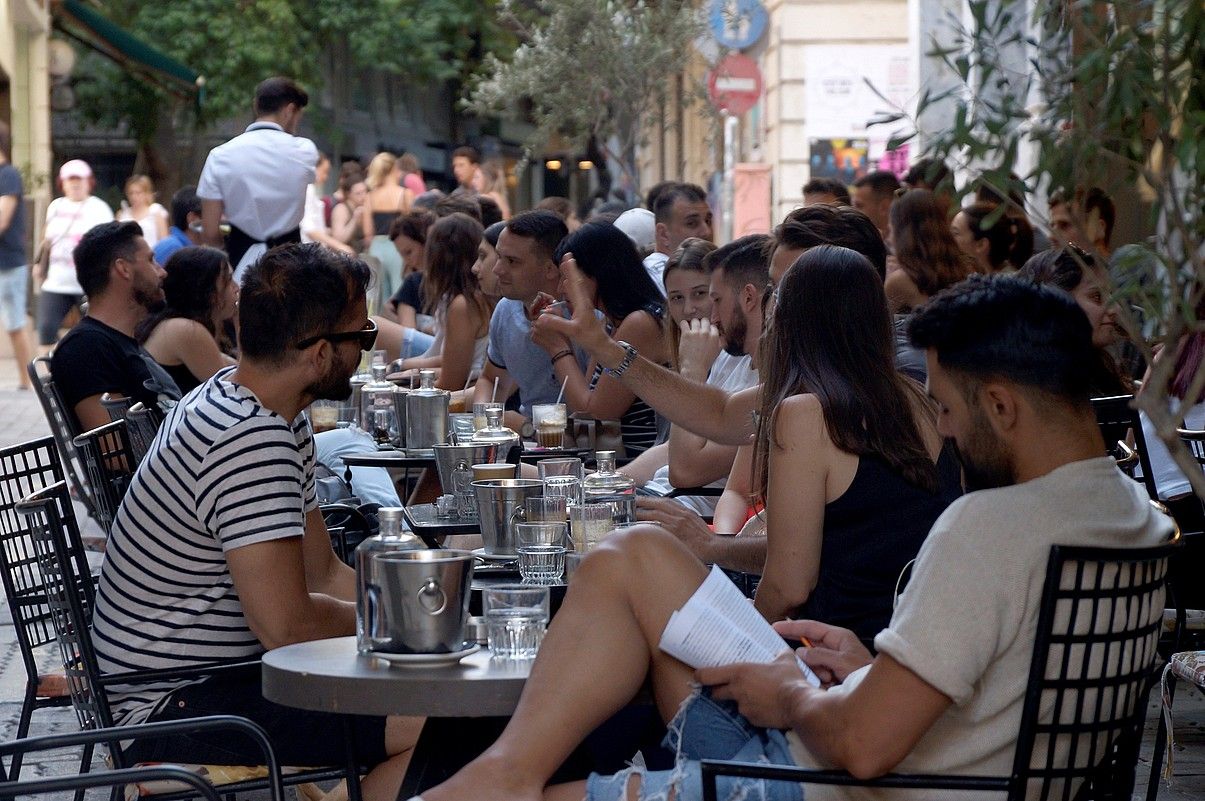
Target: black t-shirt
point(411, 292)
point(12, 239)
point(94, 358)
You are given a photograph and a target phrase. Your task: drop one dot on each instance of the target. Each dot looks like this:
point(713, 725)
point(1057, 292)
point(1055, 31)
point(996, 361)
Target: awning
point(92, 29)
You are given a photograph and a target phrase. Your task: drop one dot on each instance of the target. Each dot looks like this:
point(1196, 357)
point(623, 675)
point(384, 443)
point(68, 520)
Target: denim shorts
point(705, 728)
point(14, 284)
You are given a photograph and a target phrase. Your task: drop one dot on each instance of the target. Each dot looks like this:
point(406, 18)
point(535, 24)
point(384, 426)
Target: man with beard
point(118, 273)
point(219, 552)
point(1008, 368)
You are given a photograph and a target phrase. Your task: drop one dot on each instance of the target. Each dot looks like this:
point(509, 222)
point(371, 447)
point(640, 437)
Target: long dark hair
point(830, 335)
point(1009, 237)
point(924, 246)
point(450, 251)
point(190, 290)
point(1066, 268)
point(605, 253)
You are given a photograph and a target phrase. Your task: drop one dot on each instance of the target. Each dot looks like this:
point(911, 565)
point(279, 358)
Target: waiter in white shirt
point(258, 179)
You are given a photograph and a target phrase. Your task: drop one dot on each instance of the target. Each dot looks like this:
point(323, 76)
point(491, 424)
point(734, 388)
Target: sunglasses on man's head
point(366, 335)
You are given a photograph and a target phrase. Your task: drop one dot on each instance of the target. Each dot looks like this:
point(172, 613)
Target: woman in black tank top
point(847, 456)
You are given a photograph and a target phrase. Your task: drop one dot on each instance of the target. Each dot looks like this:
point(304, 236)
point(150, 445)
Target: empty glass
point(546, 509)
point(567, 487)
point(589, 523)
point(461, 426)
point(516, 617)
point(559, 467)
point(541, 551)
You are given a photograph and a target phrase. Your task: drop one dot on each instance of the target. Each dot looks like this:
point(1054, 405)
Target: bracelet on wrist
point(629, 356)
point(561, 354)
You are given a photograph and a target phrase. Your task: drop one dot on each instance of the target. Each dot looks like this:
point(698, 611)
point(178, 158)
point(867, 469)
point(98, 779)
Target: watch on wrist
point(629, 356)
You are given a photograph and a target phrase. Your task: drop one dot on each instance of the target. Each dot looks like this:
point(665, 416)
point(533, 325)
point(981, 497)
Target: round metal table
point(329, 676)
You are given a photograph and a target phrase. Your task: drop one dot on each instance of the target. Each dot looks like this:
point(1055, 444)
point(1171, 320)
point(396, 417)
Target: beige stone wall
point(24, 34)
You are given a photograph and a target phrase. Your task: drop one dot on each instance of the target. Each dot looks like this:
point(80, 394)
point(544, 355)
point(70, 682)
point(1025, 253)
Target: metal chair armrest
point(112, 778)
point(144, 730)
point(712, 769)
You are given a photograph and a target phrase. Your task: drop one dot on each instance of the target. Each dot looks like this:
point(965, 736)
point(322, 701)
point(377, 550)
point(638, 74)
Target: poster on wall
point(844, 159)
point(839, 103)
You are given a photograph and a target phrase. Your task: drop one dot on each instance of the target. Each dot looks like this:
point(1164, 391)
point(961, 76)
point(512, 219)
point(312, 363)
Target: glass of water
point(541, 552)
point(567, 487)
point(589, 523)
point(515, 618)
point(546, 509)
point(559, 467)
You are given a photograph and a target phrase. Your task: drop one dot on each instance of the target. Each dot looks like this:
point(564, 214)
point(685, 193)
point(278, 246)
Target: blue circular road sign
point(737, 23)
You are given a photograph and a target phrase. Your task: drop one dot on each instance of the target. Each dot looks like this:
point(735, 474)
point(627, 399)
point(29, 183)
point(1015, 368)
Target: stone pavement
point(21, 419)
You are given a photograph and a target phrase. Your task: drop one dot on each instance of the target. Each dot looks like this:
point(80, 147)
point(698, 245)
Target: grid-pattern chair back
point(116, 406)
point(1092, 669)
point(1195, 442)
point(142, 425)
point(70, 598)
point(62, 427)
point(108, 466)
point(1117, 420)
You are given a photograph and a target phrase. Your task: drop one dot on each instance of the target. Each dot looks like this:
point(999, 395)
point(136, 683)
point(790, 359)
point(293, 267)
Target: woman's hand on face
point(701, 343)
point(582, 327)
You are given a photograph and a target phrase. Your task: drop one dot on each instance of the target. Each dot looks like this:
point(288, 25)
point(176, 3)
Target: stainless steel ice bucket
point(418, 601)
point(499, 505)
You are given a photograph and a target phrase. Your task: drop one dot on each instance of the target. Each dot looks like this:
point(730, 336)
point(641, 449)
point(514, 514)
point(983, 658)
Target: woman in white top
point(313, 221)
point(68, 218)
point(455, 297)
point(140, 207)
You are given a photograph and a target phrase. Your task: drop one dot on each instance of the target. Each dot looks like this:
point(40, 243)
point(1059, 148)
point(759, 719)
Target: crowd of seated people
point(887, 403)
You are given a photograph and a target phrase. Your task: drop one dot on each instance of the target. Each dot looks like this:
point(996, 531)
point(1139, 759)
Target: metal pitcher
point(499, 506)
point(455, 465)
point(417, 602)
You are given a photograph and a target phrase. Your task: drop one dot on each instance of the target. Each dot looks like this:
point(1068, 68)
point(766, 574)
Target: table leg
point(353, 763)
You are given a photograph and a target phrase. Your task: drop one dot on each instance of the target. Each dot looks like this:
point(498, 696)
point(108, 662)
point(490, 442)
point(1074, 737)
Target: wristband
point(561, 354)
point(629, 356)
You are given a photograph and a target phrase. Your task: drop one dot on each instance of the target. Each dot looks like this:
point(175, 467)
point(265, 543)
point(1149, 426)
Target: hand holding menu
point(718, 626)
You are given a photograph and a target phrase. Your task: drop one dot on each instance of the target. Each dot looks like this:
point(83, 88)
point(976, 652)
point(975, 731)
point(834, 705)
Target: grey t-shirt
point(12, 239)
point(526, 362)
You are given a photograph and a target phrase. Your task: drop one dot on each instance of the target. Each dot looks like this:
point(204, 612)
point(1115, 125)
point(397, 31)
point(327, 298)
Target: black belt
point(238, 242)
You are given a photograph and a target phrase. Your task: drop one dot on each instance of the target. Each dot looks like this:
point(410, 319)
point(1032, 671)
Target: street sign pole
point(730, 122)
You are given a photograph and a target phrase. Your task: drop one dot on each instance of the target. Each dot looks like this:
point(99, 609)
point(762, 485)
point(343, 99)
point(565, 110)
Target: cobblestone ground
point(21, 419)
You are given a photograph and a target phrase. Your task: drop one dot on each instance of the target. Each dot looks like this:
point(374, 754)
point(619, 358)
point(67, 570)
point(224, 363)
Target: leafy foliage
point(1111, 93)
point(591, 69)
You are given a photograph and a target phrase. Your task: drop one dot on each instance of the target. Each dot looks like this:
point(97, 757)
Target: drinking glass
point(590, 523)
point(559, 467)
point(324, 415)
point(550, 420)
point(541, 551)
point(515, 618)
point(461, 425)
point(567, 487)
point(546, 509)
point(484, 472)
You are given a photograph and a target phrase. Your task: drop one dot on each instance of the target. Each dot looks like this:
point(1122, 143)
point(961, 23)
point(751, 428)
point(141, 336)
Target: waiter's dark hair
point(275, 93)
point(294, 292)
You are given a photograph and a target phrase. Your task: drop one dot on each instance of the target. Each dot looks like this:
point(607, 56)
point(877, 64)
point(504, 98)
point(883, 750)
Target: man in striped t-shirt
point(219, 552)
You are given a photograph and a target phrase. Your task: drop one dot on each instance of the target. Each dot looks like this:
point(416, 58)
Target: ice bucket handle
point(431, 597)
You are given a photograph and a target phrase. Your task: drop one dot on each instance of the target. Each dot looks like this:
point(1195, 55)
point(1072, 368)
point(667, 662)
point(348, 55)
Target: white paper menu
point(718, 626)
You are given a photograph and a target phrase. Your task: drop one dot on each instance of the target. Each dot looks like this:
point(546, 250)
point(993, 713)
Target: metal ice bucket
point(418, 601)
point(500, 504)
point(455, 465)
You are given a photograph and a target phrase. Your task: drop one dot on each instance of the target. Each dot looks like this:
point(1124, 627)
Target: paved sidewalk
point(21, 419)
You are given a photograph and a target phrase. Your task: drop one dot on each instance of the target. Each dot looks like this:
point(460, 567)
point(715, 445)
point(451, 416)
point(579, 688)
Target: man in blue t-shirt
point(186, 224)
point(14, 266)
point(526, 270)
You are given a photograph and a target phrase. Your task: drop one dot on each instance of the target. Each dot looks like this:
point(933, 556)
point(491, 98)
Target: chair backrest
point(116, 406)
point(1092, 669)
point(70, 598)
point(1195, 442)
point(25, 469)
point(108, 467)
point(62, 427)
point(1117, 420)
point(142, 425)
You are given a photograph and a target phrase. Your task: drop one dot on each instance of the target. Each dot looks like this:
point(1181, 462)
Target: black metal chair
point(1085, 704)
point(62, 428)
point(1118, 420)
point(70, 599)
point(108, 467)
point(142, 426)
point(196, 784)
point(24, 469)
point(116, 406)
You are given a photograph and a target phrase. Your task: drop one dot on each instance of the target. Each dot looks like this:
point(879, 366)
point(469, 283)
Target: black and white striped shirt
point(224, 473)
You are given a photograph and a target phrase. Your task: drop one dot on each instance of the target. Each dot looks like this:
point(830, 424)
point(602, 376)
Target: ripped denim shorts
point(705, 728)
